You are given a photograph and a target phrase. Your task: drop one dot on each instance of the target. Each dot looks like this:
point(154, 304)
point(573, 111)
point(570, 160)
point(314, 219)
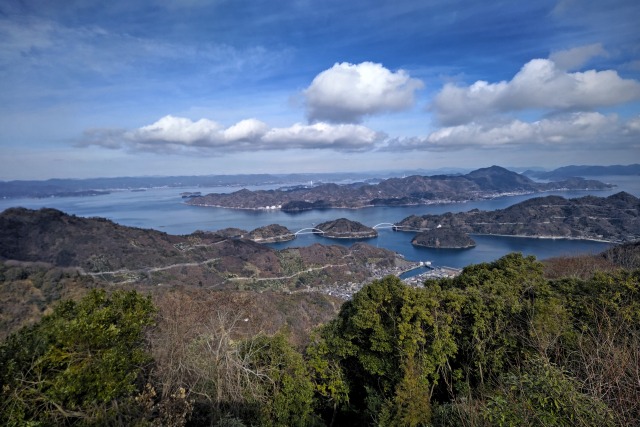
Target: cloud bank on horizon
point(108, 84)
point(477, 115)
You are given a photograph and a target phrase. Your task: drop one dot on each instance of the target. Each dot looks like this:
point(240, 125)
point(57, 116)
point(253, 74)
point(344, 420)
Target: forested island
point(614, 219)
point(343, 228)
point(483, 183)
point(440, 238)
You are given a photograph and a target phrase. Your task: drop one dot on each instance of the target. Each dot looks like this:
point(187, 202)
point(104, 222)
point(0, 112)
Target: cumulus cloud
point(182, 135)
point(540, 84)
point(345, 93)
point(179, 131)
point(576, 57)
point(344, 137)
point(580, 130)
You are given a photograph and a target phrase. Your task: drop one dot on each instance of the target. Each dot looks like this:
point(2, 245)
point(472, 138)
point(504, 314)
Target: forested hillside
point(123, 256)
point(501, 344)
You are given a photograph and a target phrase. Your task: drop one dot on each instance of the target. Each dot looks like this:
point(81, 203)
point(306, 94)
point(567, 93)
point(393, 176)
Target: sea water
point(164, 209)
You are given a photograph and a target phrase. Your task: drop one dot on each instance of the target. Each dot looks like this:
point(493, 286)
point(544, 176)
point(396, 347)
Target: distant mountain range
point(98, 186)
point(483, 183)
point(583, 171)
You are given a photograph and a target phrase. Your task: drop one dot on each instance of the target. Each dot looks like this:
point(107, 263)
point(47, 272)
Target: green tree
point(285, 395)
point(391, 342)
point(543, 395)
point(497, 302)
point(330, 386)
point(77, 363)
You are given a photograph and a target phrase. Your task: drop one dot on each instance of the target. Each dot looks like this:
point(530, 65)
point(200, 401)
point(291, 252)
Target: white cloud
point(184, 136)
point(582, 130)
point(344, 137)
point(576, 57)
point(248, 130)
point(540, 84)
point(348, 92)
point(179, 131)
point(177, 135)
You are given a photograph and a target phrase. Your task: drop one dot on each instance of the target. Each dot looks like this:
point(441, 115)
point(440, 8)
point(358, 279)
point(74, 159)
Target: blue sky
point(166, 87)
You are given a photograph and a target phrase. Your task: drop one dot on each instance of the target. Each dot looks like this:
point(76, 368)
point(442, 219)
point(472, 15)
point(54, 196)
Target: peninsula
point(484, 183)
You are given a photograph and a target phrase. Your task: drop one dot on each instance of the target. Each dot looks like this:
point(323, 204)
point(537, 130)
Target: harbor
point(433, 272)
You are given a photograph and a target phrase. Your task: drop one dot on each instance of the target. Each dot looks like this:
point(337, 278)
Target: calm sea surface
point(163, 209)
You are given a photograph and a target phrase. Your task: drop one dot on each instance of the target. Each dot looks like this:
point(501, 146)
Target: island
point(612, 219)
point(443, 238)
point(343, 228)
point(189, 194)
point(273, 233)
point(483, 183)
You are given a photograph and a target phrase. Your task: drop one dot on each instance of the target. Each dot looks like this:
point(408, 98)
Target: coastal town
point(347, 290)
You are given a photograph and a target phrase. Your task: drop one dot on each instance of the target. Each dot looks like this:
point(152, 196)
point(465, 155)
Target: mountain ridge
point(483, 183)
point(585, 170)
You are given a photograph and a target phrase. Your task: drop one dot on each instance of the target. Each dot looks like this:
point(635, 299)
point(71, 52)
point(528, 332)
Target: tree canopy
point(498, 345)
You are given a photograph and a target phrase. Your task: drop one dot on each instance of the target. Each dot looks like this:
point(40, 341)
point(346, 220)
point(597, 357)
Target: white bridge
point(385, 225)
point(310, 230)
point(313, 230)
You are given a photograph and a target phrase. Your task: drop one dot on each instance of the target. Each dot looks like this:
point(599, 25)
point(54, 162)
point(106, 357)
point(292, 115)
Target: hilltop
point(412, 190)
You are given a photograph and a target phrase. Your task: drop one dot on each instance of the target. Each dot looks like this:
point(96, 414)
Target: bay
point(164, 209)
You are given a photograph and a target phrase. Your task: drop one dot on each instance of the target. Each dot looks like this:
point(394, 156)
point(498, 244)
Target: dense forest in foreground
point(508, 343)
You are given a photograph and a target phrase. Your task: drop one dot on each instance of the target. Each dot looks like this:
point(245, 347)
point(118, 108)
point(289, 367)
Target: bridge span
point(385, 225)
point(310, 230)
point(313, 230)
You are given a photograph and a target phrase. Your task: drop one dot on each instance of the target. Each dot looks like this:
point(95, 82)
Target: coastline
point(444, 247)
point(588, 239)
